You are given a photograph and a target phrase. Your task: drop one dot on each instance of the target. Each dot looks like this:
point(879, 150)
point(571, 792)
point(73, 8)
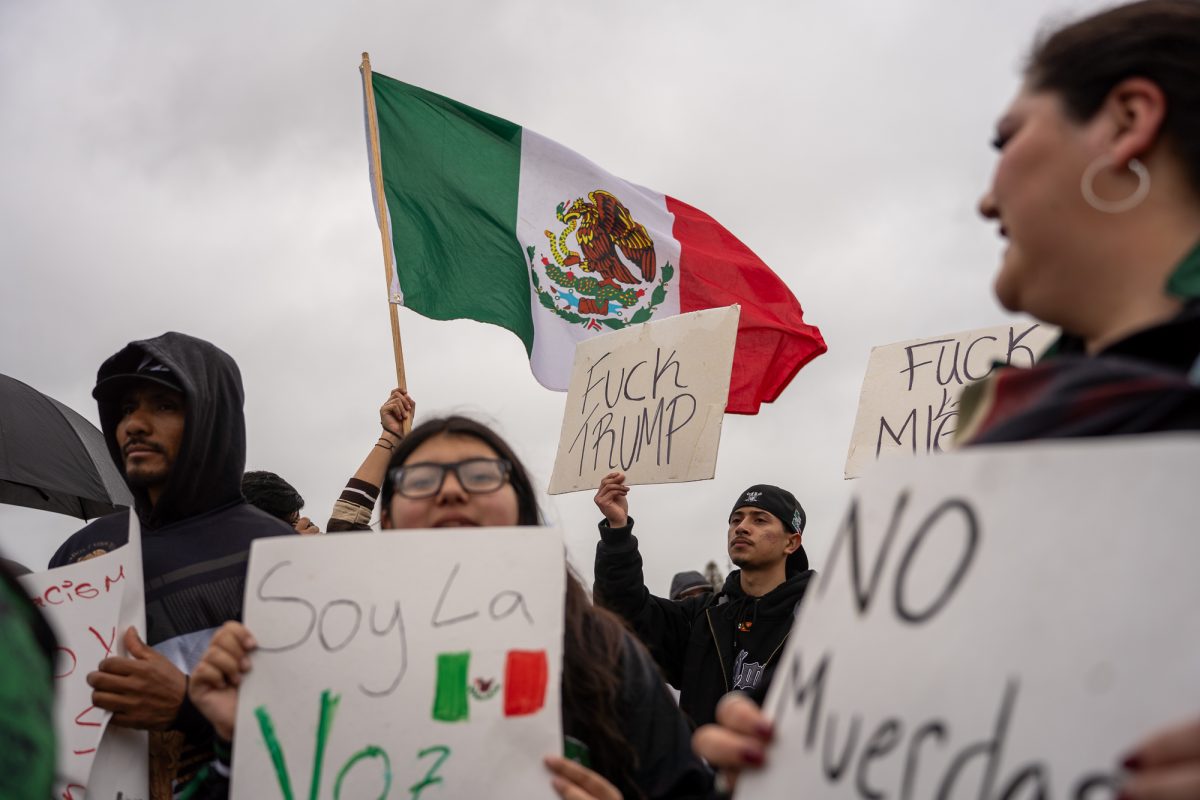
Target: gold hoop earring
point(1114, 206)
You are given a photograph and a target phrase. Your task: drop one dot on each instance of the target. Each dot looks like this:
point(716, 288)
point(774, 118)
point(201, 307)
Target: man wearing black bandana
point(709, 645)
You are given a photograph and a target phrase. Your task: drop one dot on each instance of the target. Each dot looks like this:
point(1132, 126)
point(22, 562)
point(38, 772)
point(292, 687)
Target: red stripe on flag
point(773, 342)
point(526, 673)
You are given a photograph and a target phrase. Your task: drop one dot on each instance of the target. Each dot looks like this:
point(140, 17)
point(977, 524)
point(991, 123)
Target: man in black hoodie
point(171, 413)
point(709, 645)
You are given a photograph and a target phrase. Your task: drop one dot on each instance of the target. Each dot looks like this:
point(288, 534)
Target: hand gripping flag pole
point(389, 267)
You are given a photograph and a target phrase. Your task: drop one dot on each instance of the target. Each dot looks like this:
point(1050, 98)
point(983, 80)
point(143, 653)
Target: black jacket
point(693, 640)
point(196, 539)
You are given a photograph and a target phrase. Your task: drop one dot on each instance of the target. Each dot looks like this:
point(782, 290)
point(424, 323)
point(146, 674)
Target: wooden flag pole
point(389, 266)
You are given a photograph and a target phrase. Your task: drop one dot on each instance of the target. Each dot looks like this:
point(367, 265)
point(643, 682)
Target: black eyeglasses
point(475, 475)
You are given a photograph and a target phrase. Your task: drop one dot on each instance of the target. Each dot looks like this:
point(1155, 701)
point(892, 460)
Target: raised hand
point(395, 413)
point(215, 681)
point(611, 499)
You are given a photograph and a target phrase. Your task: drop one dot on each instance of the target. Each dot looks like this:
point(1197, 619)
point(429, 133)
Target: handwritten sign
point(404, 662)
point(1000, 622)
point(649, 401)
point(909, 400)
point(90, 604)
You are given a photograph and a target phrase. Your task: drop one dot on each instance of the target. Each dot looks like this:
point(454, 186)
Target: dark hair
point(593, 639)
point(1154, 39)
point(272, 494)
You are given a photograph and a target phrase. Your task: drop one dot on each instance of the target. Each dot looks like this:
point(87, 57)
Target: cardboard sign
point(90, 605)
point(909, 400)
point(1000, 622)
point(402, 661)
point(648, 401)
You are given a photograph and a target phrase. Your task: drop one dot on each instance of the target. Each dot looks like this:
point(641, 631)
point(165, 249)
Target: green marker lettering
point(371, 751)
point(329, 704)
point(431, 777)
point(272, 742)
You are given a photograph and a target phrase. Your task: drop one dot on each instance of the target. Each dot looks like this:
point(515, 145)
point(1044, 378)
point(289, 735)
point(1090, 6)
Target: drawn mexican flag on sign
point(493, 222)
point(526, 673)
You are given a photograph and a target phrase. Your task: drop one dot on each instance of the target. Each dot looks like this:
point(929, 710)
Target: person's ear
point(1134, 112)
point(793, 543)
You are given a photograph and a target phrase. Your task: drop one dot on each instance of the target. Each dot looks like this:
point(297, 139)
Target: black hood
point(780, 600)
point(207, 473)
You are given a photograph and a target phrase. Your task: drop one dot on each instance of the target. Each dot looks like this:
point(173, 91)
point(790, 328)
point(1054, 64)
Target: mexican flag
point(493, 222)
point(526, 674)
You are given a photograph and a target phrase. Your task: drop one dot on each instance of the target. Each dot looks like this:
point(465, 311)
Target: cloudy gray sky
point(201, 168)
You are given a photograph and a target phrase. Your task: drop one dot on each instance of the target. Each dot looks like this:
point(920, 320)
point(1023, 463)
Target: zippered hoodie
point(705, 646)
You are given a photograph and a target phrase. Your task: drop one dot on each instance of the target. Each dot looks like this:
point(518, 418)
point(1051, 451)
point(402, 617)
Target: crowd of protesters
point(1097, 193)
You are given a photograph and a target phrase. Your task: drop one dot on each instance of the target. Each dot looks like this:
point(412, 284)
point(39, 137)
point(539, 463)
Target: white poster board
point(409, 659)
point(1004, 621)
point(909, 400)
point(649, 401)
point(90, 605)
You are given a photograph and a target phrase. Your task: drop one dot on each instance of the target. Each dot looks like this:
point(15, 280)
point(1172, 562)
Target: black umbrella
point(52, 458)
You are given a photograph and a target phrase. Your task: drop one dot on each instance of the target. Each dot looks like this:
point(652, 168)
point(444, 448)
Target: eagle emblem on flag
point(600, 268)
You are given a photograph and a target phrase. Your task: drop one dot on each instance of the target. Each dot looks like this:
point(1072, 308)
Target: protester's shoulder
point(254, 523)
point(801, 580)
point(791, 591)
point(98, 537)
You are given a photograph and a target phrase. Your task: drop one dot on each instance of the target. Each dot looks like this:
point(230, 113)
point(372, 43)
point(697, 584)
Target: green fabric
point(27, 698)
point(1185, 280)
point(451, 176)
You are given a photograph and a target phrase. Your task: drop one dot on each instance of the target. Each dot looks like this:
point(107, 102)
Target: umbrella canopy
point(54, 459)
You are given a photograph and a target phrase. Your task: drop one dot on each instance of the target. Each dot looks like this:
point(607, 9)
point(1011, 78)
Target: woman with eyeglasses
point(618, 718)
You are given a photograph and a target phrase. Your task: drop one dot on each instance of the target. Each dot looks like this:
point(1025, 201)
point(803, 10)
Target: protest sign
point(1000, 622)
point(909, 400)
point(648, 400)
point(90, 605)
point(402, 662)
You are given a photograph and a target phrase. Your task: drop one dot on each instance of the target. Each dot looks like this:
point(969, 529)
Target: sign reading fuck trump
point(401, 663)
point(648, 401)
point(1000, 622)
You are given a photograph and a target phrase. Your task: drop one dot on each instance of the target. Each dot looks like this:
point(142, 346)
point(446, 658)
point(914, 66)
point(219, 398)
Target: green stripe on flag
point(450, 698)
point(451, 176)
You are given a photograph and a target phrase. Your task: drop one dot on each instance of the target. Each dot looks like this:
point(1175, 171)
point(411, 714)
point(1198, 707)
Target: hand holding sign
point(215, 681)
point(1166, 766)
point(612, 501)
point(144, 691)
point(738, 740)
